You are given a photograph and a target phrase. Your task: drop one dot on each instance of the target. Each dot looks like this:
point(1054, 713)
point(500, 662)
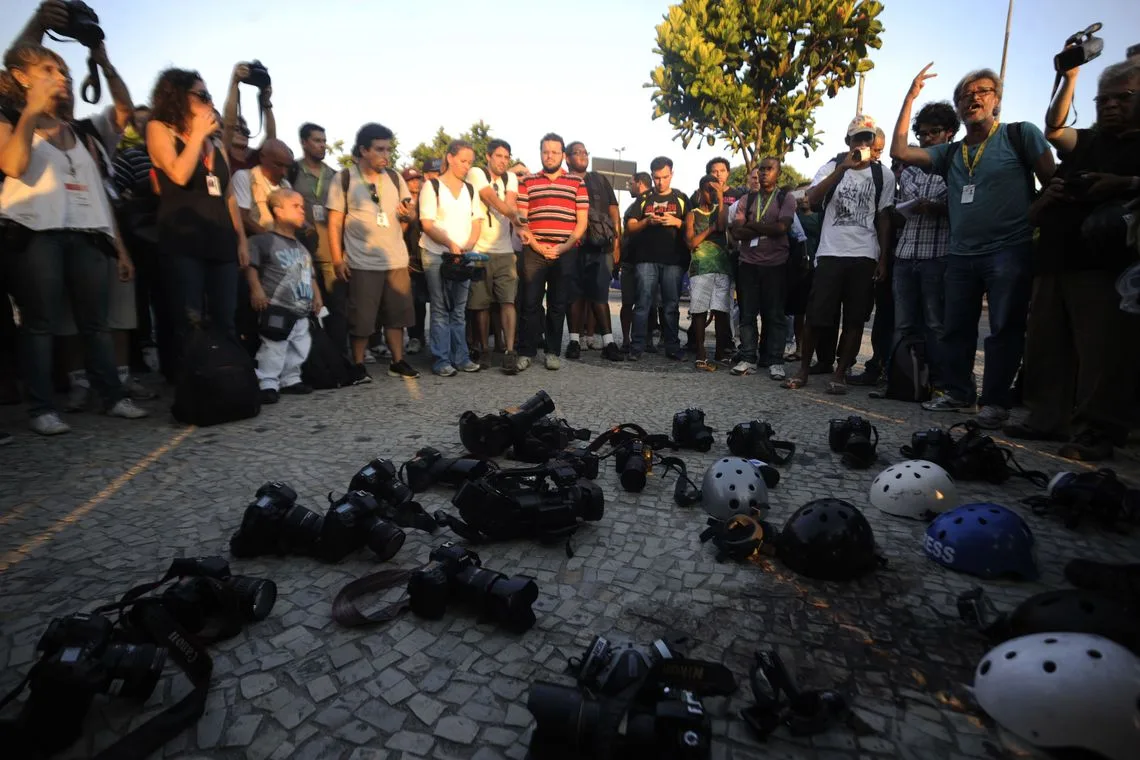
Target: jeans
point(57, 265)
point(920, 299)
point(762, 291)
point(540, 276)
point(448, 300)
point(1005, 278)
point(650, 278)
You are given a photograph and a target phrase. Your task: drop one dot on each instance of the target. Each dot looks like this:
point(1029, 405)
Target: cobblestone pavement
point(88, 515)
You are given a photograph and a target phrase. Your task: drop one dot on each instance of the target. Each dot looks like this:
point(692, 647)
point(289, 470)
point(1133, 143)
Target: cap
point(861, 124)
point(411, 173)
point(433, 165)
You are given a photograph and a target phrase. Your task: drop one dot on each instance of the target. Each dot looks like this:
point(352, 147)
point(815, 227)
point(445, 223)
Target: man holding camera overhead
point(1082, 249)
point(989, 181)
point(235, 129)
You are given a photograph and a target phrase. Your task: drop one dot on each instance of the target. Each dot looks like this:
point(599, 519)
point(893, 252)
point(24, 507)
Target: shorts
point(710, 292)
point(122, 313)
point(500, 284)
point(379, 297)
point(841, 281)
point(593, 273)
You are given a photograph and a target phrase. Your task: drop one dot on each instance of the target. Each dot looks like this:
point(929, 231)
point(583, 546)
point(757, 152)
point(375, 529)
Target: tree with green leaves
point(479, 135)
point(752, 72)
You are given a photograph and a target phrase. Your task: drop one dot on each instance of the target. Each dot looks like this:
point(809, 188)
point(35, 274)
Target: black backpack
point(908, 373)
point(218, 382)
point(600, 230)
point(325, 367)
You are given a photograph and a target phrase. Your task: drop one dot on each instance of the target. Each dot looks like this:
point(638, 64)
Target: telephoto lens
point(499, 599)
point(384, 538)
point(567, 719)
point(195, 602)
point(634, 461)
point(256, 597)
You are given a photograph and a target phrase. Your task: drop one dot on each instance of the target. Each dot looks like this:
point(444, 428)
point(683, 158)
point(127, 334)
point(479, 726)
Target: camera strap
point(346, 613)
point(805, 713)
point(685, 492)
point(619, 435)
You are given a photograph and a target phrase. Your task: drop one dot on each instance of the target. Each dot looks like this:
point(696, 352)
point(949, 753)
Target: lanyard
point(320, 181)
point(977, 156)
point(762, 211)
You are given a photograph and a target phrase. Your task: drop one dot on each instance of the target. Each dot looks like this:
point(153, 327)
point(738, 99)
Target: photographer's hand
point(1104, 186)
point(51, 14)
point(241, 71)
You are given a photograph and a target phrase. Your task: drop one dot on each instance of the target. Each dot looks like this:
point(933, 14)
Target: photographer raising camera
point(1082, 249)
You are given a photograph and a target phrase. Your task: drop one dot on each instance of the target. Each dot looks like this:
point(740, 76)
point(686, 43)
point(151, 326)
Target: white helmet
point(734, 486)
point(1064, 690)
point(917, 489)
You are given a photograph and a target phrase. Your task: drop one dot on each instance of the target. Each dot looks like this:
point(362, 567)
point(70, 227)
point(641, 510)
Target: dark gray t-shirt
point(285, 269)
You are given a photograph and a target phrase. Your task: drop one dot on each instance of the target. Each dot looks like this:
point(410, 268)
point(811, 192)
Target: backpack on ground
point(325, 367)
point(908, 372)
point(218, 382)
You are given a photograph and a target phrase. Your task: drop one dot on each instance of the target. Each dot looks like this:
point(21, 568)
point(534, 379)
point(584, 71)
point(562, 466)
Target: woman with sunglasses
point(200, 232)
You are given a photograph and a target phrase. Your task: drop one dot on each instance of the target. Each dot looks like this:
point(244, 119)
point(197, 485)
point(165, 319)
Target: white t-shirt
point(849, 220)
point(496, 234)
point(453, 215)
point(243, 187)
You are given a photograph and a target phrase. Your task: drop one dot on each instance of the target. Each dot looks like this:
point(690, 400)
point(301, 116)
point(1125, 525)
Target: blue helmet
point(985, 540)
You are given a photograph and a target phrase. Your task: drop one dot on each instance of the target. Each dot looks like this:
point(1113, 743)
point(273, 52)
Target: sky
point(418, 66)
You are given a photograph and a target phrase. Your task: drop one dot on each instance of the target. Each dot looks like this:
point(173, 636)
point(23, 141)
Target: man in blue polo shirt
point(989, 179)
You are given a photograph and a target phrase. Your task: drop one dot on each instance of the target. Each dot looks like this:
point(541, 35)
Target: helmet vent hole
point(842, 515)
point(1095, 654)
point(732, 487)
point(918, 476)
point(751, 487)
point(753, 503)
point(957, 520)
point(823, 518)
point(1050, 641)
point(969, 509)
point(734, 503)
point(1049, 666)
point(985, 667)
point(809, 511)
point(994, 512)
point(906, 466)
point(1010, 655)
point(740, 472)
point(725, 459)
point(926, 467)
point(1087, 607)
point(887, 487)
point(898, 476)
point(720, 474)
point(941, 535)
point(982, 521)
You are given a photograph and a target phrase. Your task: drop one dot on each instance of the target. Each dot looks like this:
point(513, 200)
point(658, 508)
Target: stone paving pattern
point(86, 516)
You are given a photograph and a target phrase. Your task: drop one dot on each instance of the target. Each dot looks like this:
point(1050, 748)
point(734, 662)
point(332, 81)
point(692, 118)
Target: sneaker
point(49, 423)
point(402, 369)
point(613, 353)
point(5, 438)
point(523, 363)
point(370, 357)
point(382, 351)
point(360, 374)
point(633, 357)
point(511, 363)
point(472, 367)
point(593, 343)
point(297, 389)
point(573, 351)
point(137, 391)
point(776, 372)
point(946, 403)
point(446, 371)
point(744, 368)
point(78, 399)
point(126, 409)
point(1088, 446)
point(415, 345)
point(992, 417)
point(267, 396)
point(553, 362)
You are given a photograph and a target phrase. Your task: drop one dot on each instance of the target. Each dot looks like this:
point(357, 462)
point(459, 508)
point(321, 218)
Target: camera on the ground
point(856, 439)
point(491, 435)
point(634, 461)
point(429, 467)
point(274, 523)
point(457, 574)
point(690, 430)
point(208, 592)
point(355, 521)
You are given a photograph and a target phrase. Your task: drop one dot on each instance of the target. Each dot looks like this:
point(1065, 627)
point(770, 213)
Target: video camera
point(463, 267)
point(455, 573)
point(856, 439)
point(690, 430)
point(1080, 48)
point(428, 467)
point(546, 439)
point(492, 434)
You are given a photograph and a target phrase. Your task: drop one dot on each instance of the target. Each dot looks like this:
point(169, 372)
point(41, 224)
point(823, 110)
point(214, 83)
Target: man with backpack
point(856, 194)
point(989, 181)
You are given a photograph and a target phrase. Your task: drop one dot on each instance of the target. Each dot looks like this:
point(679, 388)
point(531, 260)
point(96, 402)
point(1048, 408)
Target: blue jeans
point(920, 298)
point(650, 277)
point(57, 265)
point(448, 300)
point(1005, 278)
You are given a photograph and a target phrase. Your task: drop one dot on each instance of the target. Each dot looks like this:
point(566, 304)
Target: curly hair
point(170, 101)
point(938, 113)
point(20, 57)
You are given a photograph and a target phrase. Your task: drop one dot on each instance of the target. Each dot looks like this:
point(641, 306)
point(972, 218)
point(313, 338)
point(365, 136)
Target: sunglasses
point(374, 194)
point(203, 95)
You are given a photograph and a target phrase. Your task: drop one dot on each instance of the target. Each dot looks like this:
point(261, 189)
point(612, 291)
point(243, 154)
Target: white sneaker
point(382, 351)
point(992, 417)
point(370, 357)
point(126, 409)
point(744, 368)
point(414, 346)
point(78, 399)
point(776, 372)
point(553, 362)
point(49, 423)
point(592, 342)
point(523, 363)
point(470, 367)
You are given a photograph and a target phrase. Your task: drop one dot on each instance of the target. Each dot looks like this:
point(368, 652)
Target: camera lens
point(132, 671)
point(564, 715)
point(591, 501)
point(385, 539)
point(256, 596)
point(508, 601)
point(301, 528)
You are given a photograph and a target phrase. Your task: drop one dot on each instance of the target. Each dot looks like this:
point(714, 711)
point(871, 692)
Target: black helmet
point(1079, 611)
point(828, 539)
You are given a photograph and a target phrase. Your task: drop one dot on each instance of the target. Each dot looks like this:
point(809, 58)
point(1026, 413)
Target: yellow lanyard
point(762, 211)
point(977, 156)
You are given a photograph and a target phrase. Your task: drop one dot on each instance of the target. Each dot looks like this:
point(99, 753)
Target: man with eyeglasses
point(1076, 321)
point(989, 181)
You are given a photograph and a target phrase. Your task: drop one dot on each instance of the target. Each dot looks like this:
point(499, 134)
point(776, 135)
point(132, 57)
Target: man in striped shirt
point(555, 206)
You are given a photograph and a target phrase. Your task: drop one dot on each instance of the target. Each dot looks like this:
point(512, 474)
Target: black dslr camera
point(856, 439)
point(544, 440)
point(258, 75)
point(631, 701)
point(457, 573)
point(207, 592)
point(492, 434)
point(355, 520)
point(583, 461)
point(634, 461)
point(82, 24)
point(1080, 48)
point(753, 440)
point(274, 523)
point(80, 656)
point(393, 497)
point(933, 444)
point(1098, 495)
point(690, 430)
point(429, 467)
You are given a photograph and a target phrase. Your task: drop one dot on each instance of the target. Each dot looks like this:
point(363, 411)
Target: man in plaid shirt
point(920, 258)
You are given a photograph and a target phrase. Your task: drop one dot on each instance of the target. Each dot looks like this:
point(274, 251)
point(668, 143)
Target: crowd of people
point(125, 232)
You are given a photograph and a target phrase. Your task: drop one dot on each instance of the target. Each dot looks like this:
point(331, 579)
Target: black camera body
point(972, 456)
point(856, 439)
point(933, 445)
point(274, 523)
point(207, 592)
point(544, 439)
point(456, 573)
point(634, 461)
point(82, 24)
point(584, 462)
point(379, 479)
point(429, 467)
point(355, 520)
point(1080, 48)
point(258, 75)
point(690, 430)
point(492, 434)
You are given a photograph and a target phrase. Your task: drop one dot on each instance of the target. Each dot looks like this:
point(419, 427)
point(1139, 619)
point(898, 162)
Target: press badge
point(213, 186)
point(318, 213)
point(967, 194)
point(381, 219)
point(77, 194)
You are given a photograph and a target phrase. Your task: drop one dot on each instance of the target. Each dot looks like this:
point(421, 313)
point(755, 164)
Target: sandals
point(837, 388)
point(794, 383)
point(704, 364)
